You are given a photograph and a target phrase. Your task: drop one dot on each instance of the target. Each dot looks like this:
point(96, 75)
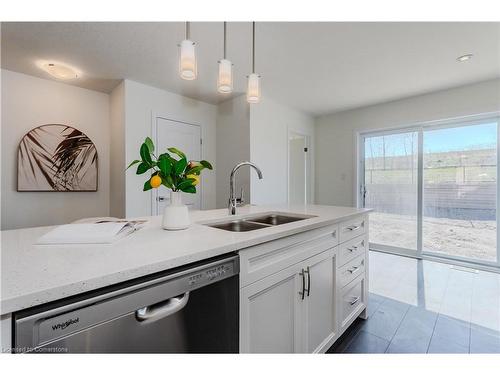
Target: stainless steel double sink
point(247, 224)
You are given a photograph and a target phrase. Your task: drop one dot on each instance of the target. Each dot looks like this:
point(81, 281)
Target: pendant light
point(187, 57)
point(225, 80)
point(253, 88)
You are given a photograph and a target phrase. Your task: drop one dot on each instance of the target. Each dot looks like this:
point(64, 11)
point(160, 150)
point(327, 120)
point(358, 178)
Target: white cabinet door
point(270, 313)
point(319, 308)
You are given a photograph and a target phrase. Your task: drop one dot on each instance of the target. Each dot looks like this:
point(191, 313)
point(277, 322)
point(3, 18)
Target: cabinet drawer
point(352, 228)
point(352, 301)
point(259, 261)
point(351, 270)
point(352, 249)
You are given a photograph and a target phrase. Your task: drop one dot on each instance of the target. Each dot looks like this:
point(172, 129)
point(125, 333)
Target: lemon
point(196, 179)
point(155, 181)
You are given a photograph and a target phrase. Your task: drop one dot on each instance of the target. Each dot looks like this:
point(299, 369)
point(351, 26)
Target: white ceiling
point(315, 67)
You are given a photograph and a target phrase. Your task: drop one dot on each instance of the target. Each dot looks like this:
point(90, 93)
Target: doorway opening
point(298, 168)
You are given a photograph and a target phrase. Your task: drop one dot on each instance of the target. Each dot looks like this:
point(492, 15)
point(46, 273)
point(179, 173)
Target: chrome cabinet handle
point(355, 300)
point(308, 281)
point(355, 269)
point(161, 310)
point(355, 247)
point(303, 292)
point(353, 227)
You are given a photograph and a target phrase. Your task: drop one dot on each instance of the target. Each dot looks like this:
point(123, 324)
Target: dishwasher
point(190, 309)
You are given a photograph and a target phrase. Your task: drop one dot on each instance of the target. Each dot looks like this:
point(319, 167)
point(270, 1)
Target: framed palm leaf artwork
point(56, 157)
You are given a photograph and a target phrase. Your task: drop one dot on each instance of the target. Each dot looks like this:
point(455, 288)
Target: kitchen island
point(333, 241)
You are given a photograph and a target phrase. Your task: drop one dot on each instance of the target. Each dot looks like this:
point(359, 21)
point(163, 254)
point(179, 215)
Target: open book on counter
point(100, 231)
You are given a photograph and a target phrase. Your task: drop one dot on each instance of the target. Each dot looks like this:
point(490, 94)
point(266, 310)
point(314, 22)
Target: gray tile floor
point(420, 306)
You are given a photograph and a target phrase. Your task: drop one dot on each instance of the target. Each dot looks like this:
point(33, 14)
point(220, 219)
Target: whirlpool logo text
point(65, 324)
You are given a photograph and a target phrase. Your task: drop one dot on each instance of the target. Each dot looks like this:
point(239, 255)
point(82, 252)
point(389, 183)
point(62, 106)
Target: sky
point(440, 140)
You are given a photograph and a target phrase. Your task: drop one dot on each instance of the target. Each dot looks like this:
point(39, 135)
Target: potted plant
point(172, 170)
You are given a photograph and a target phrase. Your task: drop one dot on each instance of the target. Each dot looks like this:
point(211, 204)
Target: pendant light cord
point(253, 47)
point(187, 31)
point(224, 40)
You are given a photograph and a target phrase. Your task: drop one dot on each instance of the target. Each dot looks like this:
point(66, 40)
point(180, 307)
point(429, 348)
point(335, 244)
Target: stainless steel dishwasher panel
point(193, 311)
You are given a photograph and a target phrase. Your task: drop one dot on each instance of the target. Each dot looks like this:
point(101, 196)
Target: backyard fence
point(471, 201)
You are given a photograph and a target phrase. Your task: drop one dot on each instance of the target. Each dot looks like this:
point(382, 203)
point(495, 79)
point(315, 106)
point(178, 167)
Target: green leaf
point(164, 165)
point(147, 186)
point(195, 170)
point(206, 164)
point(133, 163)
point(177, 152)
point(185, 183)
point(145, 155)
point(180, 166)
point(165, 181)
point(150, 144)
point(142, 168)
point(170, 181)
point(188, 189)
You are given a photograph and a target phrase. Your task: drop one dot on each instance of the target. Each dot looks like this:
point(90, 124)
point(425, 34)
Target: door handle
point(163, 309)
point(308, 290)
point(303, 292)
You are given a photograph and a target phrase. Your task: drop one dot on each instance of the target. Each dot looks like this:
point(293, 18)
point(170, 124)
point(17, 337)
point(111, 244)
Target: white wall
point(269, 125)
point(28, 102)
point(117, 152)
point(141, 102)
point(336, 133)
point(233, 146)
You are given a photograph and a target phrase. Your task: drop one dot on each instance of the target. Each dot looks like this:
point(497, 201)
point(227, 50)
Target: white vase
point(176, 214)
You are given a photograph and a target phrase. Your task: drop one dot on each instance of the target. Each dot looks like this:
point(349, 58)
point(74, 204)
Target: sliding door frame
point(420, 252)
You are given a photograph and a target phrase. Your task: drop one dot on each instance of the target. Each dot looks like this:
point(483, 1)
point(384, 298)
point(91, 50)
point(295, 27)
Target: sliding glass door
point(390, 188)
point(459, 197)
point(433, 189)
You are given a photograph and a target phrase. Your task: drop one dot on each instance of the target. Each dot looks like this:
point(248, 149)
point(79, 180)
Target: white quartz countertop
point(34, 274)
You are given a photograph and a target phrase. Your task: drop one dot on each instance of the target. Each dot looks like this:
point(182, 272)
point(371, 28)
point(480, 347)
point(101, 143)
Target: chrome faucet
point(233, 201)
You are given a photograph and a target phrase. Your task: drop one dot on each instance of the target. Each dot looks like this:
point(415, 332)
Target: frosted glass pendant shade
point(253, 89)
point(225, 80)
point(187, 60)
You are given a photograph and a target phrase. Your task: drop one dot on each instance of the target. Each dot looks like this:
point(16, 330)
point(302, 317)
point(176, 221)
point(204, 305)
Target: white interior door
point(187, 138)
point(297, 169)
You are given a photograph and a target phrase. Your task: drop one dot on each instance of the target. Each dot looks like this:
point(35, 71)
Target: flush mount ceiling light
point(59, 70)
point(465, 57)
point(225, 80)
point(187, 57)
point(253, 88)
